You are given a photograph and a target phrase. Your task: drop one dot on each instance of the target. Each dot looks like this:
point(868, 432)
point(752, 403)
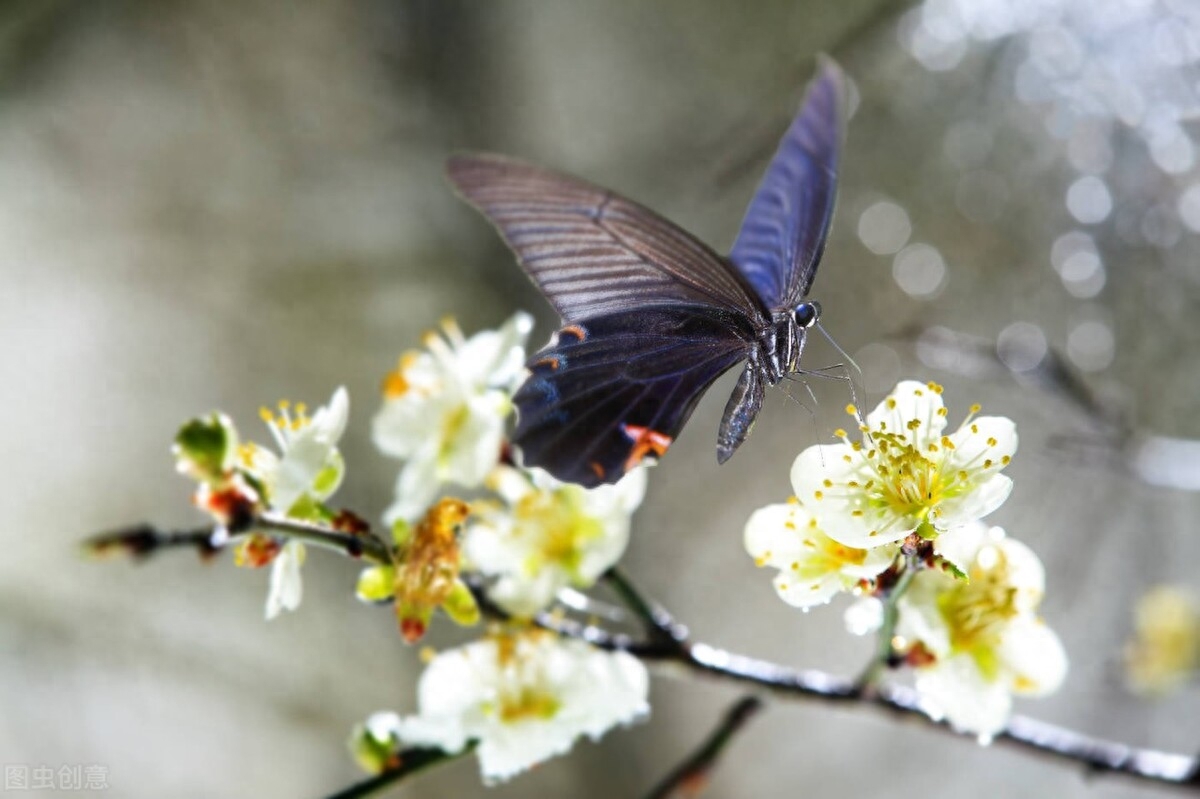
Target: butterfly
point(651, 316)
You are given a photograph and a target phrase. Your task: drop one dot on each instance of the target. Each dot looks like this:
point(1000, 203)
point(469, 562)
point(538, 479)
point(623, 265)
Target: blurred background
point(217, 205)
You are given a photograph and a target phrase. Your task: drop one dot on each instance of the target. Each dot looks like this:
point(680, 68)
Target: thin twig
point(657, 621)
point(144, 540)
point(884, 651)
point(690, 776)
point(412, 761)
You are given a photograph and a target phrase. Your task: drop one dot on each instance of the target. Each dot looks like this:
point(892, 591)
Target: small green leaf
point(376, 584)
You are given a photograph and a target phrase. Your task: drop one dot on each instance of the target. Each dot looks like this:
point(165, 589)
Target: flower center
point(527, 703)
point(976, 611)
point(910, 483)
point(555, 522)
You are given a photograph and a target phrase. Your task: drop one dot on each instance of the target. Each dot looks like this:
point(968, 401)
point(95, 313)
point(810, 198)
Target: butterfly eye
point(807, 313)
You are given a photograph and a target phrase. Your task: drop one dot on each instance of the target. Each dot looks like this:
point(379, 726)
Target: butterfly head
point(807, 314)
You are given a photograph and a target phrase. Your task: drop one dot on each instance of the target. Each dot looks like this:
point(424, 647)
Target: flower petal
point(954, 688)
point(911, 401)
point(1034, 656)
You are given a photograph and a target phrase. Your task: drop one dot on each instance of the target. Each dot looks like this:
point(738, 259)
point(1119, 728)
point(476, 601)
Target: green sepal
point(460, 605)
point(376, 584)
point(372, 754)
point(401, 533)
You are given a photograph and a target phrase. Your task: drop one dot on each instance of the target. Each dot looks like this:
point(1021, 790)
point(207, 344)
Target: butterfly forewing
point(784, 231)
point(616, 389)
point(591, 251)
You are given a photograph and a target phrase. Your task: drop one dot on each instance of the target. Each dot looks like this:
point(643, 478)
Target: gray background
point(214, 204)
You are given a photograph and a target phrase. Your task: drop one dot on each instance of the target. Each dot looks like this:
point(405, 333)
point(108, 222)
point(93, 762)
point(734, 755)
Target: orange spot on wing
point(645, 442)
point(597, 468)
point(550, 361)
point(573, 330)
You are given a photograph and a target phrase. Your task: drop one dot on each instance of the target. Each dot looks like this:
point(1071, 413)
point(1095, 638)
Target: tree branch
point(690, 776)
point(671, 652)
point(412, 761)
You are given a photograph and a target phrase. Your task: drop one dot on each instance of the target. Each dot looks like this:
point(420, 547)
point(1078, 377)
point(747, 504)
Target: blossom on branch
point(976, 642)
point(425, 575)
point(524, 697)
point(444, 410)
point(547, 535)
point(238, 480)
point(906, 475)
point(1165, 650)
point(812, 566)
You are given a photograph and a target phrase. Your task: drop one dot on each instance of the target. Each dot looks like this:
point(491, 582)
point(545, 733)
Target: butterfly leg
point(744, 404)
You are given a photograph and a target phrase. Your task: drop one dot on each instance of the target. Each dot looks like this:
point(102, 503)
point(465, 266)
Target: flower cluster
point(909, 495)
point(239, 479)
point(521, 695)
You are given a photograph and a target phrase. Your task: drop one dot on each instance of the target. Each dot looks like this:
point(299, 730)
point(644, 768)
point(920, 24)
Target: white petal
point(402, 425)
point(772, 535)
point(863, 617)
point(954, 688)
point(911, 400)
point(287, 587)
point(973, 447)
point(416, 487)
point(1025, 571)
point(525, 595)
point(959, 545)
point(1034, 656)
point(474, 449)
point(808, 593)
point(329, 422)
point(973, 505)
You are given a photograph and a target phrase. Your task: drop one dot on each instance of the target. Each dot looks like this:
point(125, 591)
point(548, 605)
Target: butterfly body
point(651, 315)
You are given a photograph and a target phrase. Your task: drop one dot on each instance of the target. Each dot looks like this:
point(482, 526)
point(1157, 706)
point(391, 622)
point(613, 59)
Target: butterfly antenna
point(843, 353)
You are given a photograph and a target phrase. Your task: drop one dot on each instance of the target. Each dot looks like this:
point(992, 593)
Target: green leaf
point(401, 533)
point(205, 448)
point(373, 755)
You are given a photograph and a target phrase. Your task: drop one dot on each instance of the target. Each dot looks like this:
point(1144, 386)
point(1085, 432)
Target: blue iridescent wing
point(783, 234)
point(593, 252)
point(611, 391)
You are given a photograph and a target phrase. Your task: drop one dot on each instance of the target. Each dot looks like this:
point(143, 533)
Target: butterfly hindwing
point(611, 391)
point(783, 233)
point(591, 251)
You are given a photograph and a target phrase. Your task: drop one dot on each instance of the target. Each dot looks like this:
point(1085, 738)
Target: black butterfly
point(652, 316)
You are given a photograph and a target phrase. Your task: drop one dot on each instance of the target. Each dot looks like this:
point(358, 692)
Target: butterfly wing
point(593, 252)
point(783, 234)
point(610, 391)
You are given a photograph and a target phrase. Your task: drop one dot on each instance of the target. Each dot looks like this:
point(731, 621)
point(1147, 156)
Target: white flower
point(905, 476)
point(287, 588)
point(524, 697)
point(306, 472)
point(444, 410)
point(309, 465)
point(977, 642)
point(548, 535)
point(1165, 650)
point(812, 566)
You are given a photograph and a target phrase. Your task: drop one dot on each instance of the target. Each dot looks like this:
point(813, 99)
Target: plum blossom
point(546, 535)
point(295, 482)
point(1165, 650)
point(524, 697)
point(975, 643)
point(906, 475)
point(444, 410)
point(812, 566)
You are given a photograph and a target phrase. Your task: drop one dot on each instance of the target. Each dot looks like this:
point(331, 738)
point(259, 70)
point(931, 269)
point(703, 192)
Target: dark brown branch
point(412, 761)
point(691, 775)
